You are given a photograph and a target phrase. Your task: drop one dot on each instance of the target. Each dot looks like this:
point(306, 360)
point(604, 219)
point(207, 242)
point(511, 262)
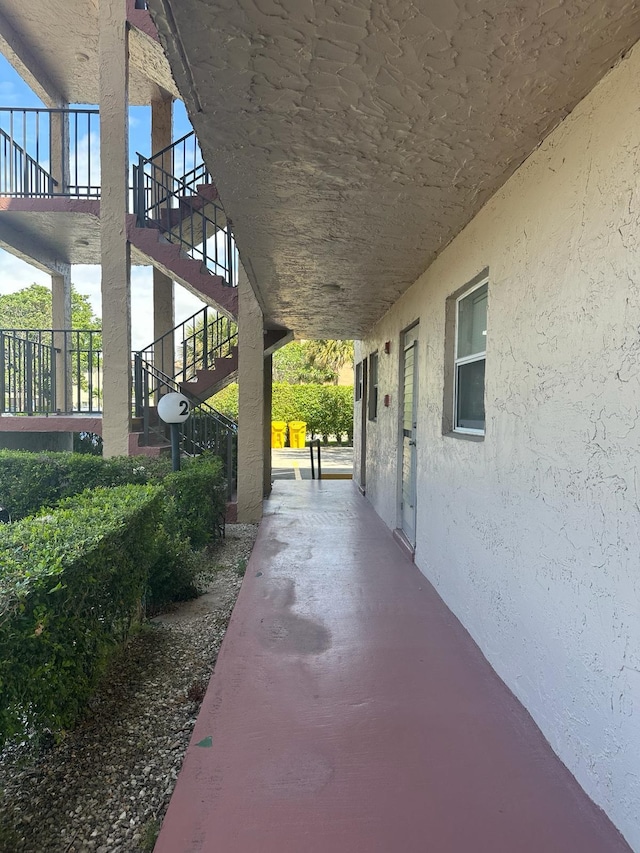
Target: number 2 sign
point(174, 408)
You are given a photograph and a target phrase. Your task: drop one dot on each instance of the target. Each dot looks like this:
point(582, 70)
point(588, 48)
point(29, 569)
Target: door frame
point(364, 417)
point(416, 376)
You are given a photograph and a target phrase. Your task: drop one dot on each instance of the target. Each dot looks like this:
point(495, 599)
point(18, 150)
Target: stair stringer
point(209, 382)
point(171, 260)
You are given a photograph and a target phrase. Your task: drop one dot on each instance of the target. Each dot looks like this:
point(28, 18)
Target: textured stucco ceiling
point(50, 236)
point(61, 38)
point(350, 141)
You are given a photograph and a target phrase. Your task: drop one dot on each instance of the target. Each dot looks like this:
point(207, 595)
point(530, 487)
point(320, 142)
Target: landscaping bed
point(105, 785)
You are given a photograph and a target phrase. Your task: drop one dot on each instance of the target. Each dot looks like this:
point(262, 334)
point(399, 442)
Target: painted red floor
point(351, 712)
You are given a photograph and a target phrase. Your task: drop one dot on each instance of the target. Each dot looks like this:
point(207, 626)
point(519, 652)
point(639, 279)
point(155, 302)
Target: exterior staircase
point(172, 260)
point(179, 226)
point(224, 367)
point(209, 381)
point(203, 363)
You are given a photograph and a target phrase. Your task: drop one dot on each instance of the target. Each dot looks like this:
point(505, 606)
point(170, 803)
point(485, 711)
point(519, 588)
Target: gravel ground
point(107, 785)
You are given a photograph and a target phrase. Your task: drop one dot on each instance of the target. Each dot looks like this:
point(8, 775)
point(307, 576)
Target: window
point(373, 386)
point(358, 381)
point(470, 355)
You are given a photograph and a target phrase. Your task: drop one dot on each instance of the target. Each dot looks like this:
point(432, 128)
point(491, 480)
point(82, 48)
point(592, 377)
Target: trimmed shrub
point(173, 574)
point(194, 504)
point(195, 500)
point(87, 442)
point(226, 401)
point(29, 481)
point(71, 587)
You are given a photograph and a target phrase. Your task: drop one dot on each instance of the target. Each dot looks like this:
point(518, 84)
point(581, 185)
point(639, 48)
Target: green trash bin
point(297, 433)
point(278, 430)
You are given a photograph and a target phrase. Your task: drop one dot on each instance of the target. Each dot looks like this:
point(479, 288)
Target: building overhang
point(54, 48)
point(350, 143)
point(50, 232)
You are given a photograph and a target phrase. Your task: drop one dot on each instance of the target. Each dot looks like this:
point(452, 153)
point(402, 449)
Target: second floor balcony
point(50, 175)
point(49, 152)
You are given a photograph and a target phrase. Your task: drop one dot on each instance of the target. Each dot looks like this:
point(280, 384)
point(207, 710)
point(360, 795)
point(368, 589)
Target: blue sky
point(15, 274)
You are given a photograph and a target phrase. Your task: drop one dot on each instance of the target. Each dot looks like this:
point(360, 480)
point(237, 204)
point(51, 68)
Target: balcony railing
point(46, 153)
point(48, 371)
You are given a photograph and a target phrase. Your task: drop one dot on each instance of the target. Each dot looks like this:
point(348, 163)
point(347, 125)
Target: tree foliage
point(293, 364)
point(329, 355)
point(30, 308)
point(326, 409)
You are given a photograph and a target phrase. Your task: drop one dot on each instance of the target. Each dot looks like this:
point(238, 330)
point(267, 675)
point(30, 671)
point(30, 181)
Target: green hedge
point(195, 500)
point(194, 503)
point(29, 481)
point(326, 409)
point(71, 585)
point(73, 578)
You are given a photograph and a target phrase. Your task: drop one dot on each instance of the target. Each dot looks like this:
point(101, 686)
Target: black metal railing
point(186, 212)
point(192, 345)
point(44, 371)
point(49, 152)
point(205, 431)
point(20, 175)
point(182, 158)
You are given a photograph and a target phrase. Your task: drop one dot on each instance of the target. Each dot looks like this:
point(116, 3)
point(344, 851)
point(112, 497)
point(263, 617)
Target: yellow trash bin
point(278, 429)
point(297, 433)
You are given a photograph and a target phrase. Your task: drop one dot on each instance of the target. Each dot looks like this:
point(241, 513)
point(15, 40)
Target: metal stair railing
point(204, 345)
point(205, 431)
point(200, 228)
point(198, 341)
point(182, 158)
point(184, 215)
point(20, 175)
point(44, 371)
point(58, 150)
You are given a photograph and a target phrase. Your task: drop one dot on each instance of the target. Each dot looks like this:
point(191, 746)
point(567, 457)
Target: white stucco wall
point(532, 536)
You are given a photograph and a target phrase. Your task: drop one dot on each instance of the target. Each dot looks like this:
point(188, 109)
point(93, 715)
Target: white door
point(408, 413)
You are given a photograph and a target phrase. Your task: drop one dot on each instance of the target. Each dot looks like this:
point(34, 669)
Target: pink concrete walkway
point(351, 713)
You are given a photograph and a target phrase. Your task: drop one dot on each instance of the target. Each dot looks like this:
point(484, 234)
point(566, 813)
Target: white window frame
point(469, 359)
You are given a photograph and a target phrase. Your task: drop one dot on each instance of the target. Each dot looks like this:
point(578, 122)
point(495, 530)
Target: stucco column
point(268, 395)
point(59, 149)
point(61, 319)
point(250, 403)
point(116, 279)
point(163, 305)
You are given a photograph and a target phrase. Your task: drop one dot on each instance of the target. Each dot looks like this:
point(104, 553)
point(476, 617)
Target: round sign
point(174, 408)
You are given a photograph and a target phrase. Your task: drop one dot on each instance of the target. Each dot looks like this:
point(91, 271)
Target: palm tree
point(330, 355)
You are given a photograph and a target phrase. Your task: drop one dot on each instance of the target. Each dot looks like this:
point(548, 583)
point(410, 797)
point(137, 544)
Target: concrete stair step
point(156, 446)
point(209, 382)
